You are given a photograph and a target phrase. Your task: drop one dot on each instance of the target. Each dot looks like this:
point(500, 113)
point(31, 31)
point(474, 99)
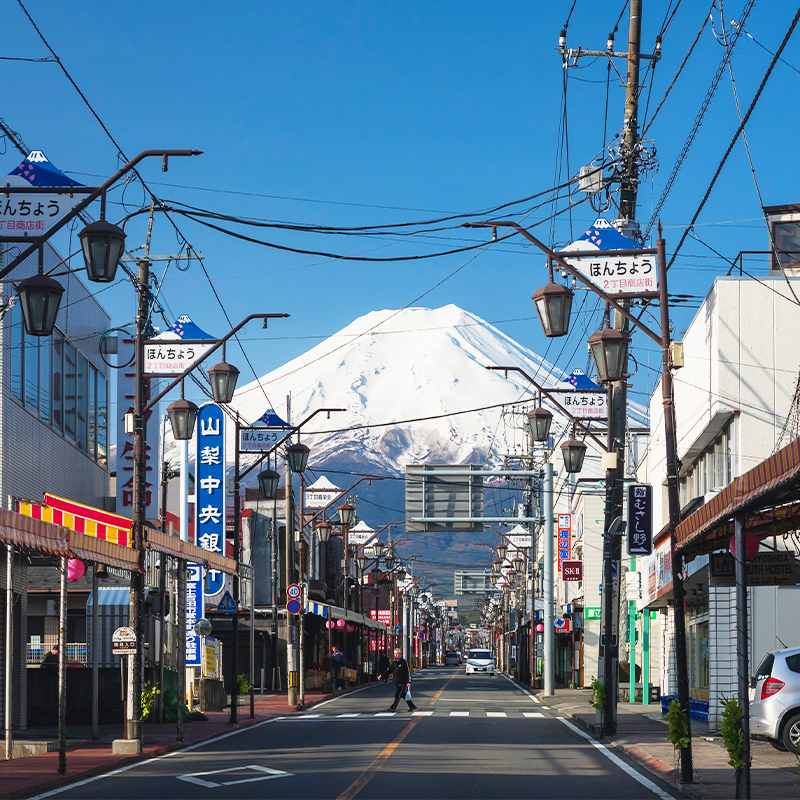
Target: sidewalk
point(642, 736)
point(24, 777)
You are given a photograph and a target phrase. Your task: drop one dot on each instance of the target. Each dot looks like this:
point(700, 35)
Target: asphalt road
point(471, 737)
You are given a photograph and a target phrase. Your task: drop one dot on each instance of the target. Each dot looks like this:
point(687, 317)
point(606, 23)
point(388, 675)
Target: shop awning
point(769, 494)
point(173, 546)
point(33, 534)
point(89, 548)
point(320, 609)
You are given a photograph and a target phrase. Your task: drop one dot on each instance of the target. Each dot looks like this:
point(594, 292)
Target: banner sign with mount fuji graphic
point(24, 214)
point(177, 349)
point(587, 400)
point(614, 274)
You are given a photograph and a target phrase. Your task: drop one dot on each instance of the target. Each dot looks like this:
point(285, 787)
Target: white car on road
point(479, 661)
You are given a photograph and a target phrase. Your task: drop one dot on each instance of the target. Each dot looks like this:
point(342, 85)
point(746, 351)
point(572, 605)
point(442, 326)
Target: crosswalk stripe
point(533, 714)
point(386, 714)
point(341, 716)
point(459, 713)
point(496, 714)
point(422, 713)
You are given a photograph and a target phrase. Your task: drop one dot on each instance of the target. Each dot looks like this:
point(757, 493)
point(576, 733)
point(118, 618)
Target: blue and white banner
point(210, 488)
point(194, 611)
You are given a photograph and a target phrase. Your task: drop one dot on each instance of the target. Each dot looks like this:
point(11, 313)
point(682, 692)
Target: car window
point(793, 662)
point(765, 667)
point(479, 654)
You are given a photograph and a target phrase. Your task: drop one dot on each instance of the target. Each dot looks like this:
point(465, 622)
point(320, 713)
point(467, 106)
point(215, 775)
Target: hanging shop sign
point(195, 610)
point(766, 569)
point(640, 519)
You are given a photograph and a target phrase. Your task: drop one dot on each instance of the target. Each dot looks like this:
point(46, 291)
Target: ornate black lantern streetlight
point(553, 304)
point(268, 481)
point(346, 512)
point(102, 244)
point(573, 452)
point(182, 417)
point(609, 349)
point(39, 299)
point(323, 531)
point(297, 456)
point(223, 377)
point(501, 551)
point(539, 423)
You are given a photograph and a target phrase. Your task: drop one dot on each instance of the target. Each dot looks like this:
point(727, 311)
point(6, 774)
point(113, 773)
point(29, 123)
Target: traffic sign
point(293, 606)
point(293, 591)
point(226, 605)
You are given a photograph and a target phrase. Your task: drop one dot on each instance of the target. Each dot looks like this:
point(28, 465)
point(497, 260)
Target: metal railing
point(76, 652)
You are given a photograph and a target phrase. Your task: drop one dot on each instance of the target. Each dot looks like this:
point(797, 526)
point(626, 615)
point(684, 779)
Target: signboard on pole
point(640, 519)
point(520, 538)
point(123, 642)
point(177, 349)
point(210, 488)
point(572, 570)
point(564, 538)
point(195, 610)
point(584, 405)
point(361, 533)
point(256, 440)
point(126, 389)
point(320, 494)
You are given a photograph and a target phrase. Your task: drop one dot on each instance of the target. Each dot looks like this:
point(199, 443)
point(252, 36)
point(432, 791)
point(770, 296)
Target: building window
point(16, 351)
point(59, 384)
point(70, 389)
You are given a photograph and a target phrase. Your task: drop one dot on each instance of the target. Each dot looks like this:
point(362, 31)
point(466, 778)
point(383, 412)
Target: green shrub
point(678, 721)
point(243, 686)
point(598, 695)
point(149, 693)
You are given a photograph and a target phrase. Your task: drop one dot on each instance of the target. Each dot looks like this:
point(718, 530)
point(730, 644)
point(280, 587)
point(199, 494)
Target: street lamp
point(346, 511)
point(268, 481)
point(389, 562)
point(297, 456)
point(223, 377)
point(553, 304)
point(501, 551)
point(182, 417)
point(39, 298)
point(609, 349)
point(323, 531)
point(539, 423)
point(102, 244)
point(361, 562)
point(517, 562)
point(378, 547)
point(573, 452)
point(496, 565)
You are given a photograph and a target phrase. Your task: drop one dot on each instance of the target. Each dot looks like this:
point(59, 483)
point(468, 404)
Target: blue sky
point(358, 113)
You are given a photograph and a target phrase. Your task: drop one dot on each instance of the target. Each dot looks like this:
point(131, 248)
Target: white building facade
point(732, 398)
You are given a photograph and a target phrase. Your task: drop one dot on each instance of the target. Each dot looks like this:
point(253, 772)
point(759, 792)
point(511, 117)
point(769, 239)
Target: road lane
point(473, 736)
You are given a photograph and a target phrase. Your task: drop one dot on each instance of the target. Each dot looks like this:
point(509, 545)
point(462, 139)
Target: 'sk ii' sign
point(640, 519)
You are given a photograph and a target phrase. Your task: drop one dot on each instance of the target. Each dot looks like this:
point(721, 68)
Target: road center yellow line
point(367, 774)
point(439, 693)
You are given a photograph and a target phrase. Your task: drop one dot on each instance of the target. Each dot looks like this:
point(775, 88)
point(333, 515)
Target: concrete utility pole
point(618, 390)
point(549, 603)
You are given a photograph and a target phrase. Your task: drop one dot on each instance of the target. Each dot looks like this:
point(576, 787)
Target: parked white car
point(775, 698)
point(479, 661)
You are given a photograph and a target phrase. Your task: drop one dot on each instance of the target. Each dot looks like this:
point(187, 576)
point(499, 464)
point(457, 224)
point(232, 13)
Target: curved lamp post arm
point(574, 272)
point(90, 197)
point(555, 402)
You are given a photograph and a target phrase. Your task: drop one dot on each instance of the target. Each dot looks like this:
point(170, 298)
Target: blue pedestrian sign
point(226, 605)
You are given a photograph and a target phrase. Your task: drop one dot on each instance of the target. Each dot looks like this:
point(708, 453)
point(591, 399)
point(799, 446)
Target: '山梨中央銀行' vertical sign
point(210, 488)
point(640, 519)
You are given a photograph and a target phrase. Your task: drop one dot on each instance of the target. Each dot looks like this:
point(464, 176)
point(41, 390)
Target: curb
point(109, 766)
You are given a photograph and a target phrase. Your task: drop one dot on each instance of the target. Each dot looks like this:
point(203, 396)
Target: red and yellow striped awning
point(80, 518)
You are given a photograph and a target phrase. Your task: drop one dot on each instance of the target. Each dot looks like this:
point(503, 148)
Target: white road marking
point(194, 777)
point(422, 713)
point(310, 716)
point(342, 716)
point(386, 714)
point(459, 713)
point(626, 768)
point(532, 714)
point(473, 700)
point(496, 714)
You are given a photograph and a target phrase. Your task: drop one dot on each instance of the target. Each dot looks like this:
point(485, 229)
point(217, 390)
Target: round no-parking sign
point(293, 606)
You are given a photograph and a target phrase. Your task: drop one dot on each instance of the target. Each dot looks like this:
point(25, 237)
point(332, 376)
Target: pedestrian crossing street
point(475, 713)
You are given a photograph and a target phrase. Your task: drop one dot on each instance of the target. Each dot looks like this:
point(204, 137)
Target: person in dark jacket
point(51, 659)
point(337, 662)
point(401, 677)
point(383, 664)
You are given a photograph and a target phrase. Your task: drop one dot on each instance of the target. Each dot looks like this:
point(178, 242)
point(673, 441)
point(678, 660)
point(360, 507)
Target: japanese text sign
point(210, 488)
point(34, 213)
point(194, 611)
point(618, 274)
point(585, 405)
point(564, 538)
point(258, 439)
point(172, 357)
point(640, 519)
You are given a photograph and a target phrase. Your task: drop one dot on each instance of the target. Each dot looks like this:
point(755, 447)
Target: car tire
point(790, 734)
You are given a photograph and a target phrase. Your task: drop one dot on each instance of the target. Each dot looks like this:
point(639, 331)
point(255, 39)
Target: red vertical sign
point(564, 538)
